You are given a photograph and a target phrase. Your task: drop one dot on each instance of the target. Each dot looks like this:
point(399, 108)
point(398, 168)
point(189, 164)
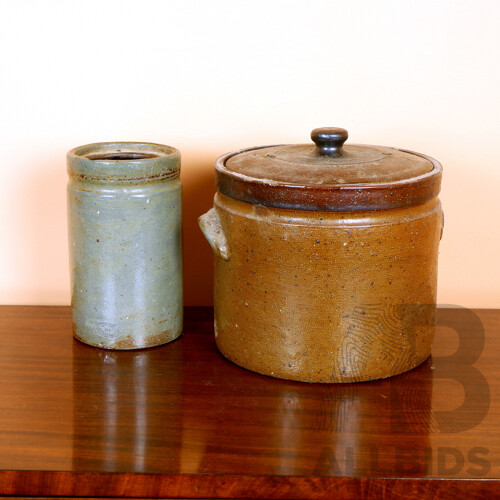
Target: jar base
point(321, 379)
point(128, 343)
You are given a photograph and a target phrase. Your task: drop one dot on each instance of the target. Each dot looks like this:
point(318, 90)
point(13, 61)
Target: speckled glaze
point(324, 296)
point(124, 219)
point(339, 286)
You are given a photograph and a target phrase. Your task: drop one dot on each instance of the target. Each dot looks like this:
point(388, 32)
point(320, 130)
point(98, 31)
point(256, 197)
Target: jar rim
point(123, 161)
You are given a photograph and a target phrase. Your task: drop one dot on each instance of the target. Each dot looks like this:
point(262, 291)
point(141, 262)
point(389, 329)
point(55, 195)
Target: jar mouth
point(120, 156)
point(122, 151)
point(123, 162)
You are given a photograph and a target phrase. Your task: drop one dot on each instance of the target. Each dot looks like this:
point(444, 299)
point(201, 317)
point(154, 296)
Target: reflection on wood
point(181, 421)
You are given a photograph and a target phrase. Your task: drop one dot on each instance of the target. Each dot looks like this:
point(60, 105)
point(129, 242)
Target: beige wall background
point(210, 77)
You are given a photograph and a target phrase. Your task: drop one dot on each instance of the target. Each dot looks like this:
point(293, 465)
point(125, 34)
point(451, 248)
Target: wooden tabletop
point(181, 421)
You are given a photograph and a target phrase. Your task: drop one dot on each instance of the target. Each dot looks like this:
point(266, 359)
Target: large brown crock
point(326, 258)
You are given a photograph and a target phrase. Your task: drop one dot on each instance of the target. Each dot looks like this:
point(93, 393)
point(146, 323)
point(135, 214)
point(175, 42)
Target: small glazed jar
point(326, 258)
point(124, 218)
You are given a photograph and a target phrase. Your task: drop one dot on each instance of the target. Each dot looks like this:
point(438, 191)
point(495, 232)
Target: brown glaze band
point(336, 198)
point(149, 178)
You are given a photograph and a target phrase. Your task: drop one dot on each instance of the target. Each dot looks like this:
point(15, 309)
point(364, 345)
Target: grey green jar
point(124, 216)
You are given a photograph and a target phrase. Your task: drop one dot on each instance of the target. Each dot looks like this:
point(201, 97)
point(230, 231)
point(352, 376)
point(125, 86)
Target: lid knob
point(329, 140)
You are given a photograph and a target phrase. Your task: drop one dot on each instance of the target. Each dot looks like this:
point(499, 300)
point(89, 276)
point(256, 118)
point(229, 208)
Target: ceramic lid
point(327, 175)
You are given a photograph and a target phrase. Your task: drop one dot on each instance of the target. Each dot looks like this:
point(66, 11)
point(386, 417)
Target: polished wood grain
point(180, 421)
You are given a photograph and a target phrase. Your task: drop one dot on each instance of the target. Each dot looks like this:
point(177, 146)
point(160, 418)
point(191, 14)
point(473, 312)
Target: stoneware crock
point(326, 258)
point(124, 215)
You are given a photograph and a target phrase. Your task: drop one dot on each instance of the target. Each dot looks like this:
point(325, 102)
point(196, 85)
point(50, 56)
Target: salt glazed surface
point(124, 221)
point(339, 289)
